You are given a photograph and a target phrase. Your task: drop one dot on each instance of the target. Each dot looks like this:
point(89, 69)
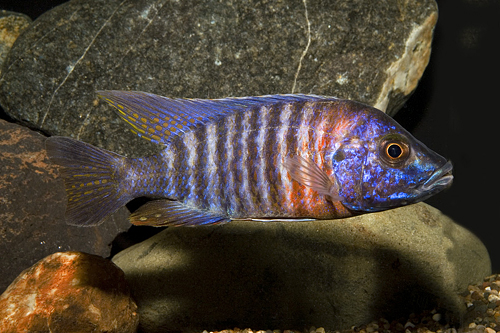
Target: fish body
point(270, 157)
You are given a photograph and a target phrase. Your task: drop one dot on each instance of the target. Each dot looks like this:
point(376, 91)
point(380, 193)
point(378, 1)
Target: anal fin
point(161, 213)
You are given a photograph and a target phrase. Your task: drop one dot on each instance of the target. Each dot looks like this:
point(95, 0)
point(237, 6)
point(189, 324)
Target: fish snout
point(440, 179)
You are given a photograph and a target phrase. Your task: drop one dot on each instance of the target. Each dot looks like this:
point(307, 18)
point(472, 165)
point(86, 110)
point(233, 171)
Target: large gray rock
point(373, 52)
point(331, 274)
point(32, 205)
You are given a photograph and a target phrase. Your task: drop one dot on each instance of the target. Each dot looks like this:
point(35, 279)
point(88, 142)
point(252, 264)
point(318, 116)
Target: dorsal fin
point(158, 118)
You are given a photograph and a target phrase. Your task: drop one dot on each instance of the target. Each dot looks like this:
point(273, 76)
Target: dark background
point(454, 109)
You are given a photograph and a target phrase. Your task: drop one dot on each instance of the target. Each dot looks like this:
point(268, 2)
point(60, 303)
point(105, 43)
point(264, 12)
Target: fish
point(290, 157)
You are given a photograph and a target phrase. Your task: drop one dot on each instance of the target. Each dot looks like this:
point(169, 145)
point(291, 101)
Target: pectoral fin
point(161, 213)
point(307, 173)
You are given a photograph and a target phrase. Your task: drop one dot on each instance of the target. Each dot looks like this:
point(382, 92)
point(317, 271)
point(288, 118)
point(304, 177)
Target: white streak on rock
point(305, 50)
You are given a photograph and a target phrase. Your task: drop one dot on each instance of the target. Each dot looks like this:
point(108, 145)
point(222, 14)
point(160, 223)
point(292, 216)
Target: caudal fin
point(93, 178)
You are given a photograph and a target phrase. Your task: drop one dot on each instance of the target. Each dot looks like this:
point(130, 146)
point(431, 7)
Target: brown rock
point(69, 292)
point(32, 206)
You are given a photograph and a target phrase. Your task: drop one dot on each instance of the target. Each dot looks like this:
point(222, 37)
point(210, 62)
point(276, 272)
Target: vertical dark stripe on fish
point(271, 170)
point(250, 192)
point(199, 182)
point(175, 156)
point(164, 160)
point(233, 146)
point(221, 168)
point(181, 167)
point(150, 183)
point(162, 184)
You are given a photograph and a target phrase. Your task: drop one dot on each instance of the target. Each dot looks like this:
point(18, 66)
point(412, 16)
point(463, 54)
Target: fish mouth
point(440, 179)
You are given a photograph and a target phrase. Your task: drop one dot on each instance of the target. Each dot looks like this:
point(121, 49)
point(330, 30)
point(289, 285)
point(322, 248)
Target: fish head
point(391, 168)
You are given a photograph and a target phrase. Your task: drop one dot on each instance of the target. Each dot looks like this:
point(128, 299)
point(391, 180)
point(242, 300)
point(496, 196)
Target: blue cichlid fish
point(276, 157)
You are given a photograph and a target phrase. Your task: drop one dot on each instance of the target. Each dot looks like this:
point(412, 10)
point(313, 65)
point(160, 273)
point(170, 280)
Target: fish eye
point(394, 150)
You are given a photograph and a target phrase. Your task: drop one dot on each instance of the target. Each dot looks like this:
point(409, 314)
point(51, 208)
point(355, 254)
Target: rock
point(32, 206)
point(363, 50)
point(69, 292)
point(330, 274)
point(11, 26)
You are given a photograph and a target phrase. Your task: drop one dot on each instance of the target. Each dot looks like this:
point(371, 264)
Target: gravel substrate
point(483, 315)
